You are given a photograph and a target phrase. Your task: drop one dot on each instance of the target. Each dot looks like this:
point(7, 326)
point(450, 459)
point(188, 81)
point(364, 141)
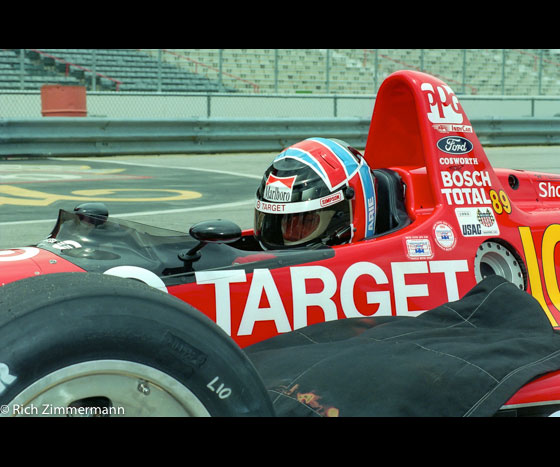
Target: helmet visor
point(295, 227)
point(282, 230)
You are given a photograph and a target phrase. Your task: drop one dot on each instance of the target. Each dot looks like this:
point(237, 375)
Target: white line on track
point(148, 213)
point(178, 167)
point(169, 211)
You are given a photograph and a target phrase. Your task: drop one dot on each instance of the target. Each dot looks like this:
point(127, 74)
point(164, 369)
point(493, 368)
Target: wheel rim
point(492, 258)
point(107, 388)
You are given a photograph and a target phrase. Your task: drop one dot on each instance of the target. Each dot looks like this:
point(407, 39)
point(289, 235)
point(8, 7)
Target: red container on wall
point(63, 101)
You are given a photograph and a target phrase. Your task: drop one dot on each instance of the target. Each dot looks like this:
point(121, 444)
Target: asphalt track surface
point(172, 191)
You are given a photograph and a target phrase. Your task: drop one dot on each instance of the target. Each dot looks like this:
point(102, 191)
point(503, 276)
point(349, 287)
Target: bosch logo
point(455, 145)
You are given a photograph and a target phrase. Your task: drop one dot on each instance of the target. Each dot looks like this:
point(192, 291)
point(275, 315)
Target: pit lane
point(168, 191)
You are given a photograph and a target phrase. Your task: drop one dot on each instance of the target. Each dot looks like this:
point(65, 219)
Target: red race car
point(433, 221)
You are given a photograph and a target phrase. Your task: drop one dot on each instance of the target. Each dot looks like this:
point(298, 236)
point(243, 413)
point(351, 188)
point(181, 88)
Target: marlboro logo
point(279, 189)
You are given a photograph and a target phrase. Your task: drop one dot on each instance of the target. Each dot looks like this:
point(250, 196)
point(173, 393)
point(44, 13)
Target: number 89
point(500, 202)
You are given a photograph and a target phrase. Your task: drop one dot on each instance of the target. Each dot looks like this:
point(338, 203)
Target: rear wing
point(418, 122)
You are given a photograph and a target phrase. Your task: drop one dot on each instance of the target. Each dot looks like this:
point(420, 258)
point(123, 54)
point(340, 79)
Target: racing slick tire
point(85, 344)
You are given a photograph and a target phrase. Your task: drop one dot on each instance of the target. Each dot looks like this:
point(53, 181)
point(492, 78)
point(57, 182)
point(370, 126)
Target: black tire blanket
point(463, 358)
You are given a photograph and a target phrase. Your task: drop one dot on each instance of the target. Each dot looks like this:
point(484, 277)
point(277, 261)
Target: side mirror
point(216, 231)
point(213, 231)
point(93, 213)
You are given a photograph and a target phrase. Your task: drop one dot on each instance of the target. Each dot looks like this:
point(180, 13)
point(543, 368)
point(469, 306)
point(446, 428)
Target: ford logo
point(455, 145)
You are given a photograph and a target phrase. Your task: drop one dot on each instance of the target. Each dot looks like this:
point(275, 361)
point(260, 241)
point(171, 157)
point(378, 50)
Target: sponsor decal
point(458, 161)
point(443, 104)
point(371, 216)
point(477, 222)
point(18, 254)
point(455, 145)
point(331, 199)
point(65, 244)
point(369, 194)
point(279, 189)
point(271, 208)
point(549, 190)
point(418, 247)
point(444, 236)
point(303, 206)
point(450, 128)
point(394, 301)
point(500, 202)
point(465, 187)
point(486, 218)
point(545, 281)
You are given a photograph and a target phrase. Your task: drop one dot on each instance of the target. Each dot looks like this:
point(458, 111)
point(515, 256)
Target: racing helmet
point(316, 191)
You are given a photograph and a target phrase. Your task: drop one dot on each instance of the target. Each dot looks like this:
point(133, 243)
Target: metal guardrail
point(517, 131)
point(63, 136)
point(78, 136)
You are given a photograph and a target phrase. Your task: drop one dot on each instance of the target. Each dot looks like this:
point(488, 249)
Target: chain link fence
point(259, 83)
point(361, 71)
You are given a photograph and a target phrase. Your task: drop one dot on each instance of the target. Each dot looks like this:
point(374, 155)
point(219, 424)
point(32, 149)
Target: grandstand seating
point(361, 71)
point(318, 71)
point(117, 69)
point(33, 75)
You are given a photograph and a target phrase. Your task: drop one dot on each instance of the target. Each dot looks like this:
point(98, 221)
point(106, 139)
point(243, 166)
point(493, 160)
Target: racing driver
point(316, 192)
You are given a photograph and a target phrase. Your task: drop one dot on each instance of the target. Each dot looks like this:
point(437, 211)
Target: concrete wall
point(23, 104)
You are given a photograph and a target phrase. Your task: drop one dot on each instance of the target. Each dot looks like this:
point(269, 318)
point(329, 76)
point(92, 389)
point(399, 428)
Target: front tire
point(76, 344)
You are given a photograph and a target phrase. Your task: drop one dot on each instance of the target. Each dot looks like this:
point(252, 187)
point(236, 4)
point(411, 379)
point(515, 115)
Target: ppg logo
point(455, 145)
point(443, 103)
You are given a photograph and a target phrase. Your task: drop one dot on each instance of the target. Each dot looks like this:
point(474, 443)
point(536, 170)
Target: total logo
point(466, 188)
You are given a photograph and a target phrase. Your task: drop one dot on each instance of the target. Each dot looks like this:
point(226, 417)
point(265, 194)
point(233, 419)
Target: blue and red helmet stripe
point(331, 161)
point(337, 166)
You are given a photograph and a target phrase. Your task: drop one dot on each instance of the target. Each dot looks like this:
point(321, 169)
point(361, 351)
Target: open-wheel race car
point(107, 316)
